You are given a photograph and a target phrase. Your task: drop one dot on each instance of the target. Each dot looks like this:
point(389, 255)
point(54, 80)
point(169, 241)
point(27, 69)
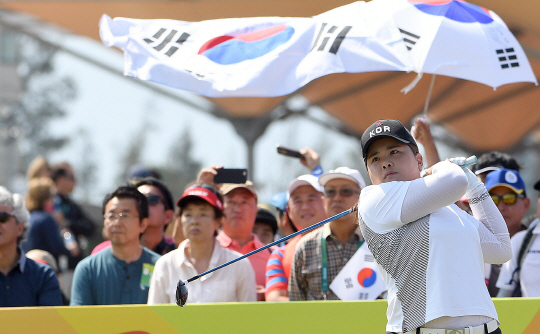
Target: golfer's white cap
point(343, 173)
point(304, 180)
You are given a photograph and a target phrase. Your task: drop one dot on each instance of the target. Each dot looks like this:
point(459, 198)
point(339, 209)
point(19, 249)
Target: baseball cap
point(505, 178)
point(266, 217)
point(343, 173)
point(204, 192)
point(279, 200)
point(304, 180)
point(137, 172)
point(385, 128)
point(228, 187)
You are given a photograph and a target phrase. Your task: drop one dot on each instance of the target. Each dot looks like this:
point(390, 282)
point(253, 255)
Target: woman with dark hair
point(43, 231)
point(200, 210)
point(430, 253)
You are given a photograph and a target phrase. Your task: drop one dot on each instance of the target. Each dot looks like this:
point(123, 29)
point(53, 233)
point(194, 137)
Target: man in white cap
point(306, 207)
point(321, 254)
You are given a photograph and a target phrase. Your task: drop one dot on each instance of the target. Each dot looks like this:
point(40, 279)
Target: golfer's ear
point(420, 161)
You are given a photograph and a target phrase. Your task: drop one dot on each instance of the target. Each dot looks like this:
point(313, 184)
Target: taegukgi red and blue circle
point(367, 277)
point(227, 50)
point(456, 10)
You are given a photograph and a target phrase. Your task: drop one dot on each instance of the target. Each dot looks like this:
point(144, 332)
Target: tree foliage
point(41, 98)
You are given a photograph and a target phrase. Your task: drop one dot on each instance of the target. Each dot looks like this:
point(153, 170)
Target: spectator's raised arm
point(421, 131)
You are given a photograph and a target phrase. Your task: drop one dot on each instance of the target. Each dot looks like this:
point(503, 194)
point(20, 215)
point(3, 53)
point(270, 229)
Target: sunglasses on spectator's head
point(4, 216)
point(345, 192)
point(508, 199)
point(154, 199)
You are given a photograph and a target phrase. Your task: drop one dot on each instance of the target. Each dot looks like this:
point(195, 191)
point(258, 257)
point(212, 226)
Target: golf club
point(182, 290)
point(469, 161)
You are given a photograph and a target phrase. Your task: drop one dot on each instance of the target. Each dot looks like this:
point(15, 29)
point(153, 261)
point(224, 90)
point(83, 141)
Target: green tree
point(43, 96)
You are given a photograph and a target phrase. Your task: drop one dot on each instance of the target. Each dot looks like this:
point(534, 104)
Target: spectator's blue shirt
point(43, 234)
point(29, 284)
point(103, 279)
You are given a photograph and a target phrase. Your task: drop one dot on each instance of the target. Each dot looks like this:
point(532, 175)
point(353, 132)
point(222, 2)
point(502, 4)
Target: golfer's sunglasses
point(4, 216)
point(345, 192)
point(508, 199)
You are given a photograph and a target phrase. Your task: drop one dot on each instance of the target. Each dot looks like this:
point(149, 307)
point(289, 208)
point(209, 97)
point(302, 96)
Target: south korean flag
point(360, 278)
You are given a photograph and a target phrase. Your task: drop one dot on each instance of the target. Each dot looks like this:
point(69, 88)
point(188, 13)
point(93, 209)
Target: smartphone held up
point(231, 175)
point(289, 152)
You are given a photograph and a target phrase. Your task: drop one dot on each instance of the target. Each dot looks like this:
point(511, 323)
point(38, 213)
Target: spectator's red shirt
point(258, 260)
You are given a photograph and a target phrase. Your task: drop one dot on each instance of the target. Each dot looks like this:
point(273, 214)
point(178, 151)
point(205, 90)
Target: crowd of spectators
point(152, 239)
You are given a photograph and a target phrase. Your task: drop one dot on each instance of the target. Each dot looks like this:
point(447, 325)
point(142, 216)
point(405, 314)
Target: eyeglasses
point(4, 217)
point(508, 199)
point(117, 217)
point(345, 192)
point(154, 199)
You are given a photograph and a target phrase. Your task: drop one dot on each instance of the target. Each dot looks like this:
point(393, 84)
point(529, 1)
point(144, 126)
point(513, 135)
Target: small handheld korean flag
point(360, 278)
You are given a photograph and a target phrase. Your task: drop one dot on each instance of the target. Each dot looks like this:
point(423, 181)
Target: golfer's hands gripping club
point(474, 182)
point(463, 163)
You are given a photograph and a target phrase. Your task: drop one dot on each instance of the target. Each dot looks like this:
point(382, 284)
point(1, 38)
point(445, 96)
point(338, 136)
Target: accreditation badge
point(146, 275)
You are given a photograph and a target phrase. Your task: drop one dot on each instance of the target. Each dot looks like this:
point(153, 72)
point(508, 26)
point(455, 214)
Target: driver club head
point(181, 293)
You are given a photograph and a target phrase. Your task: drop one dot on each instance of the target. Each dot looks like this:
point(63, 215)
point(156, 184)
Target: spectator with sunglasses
point(507, 190)
point(513, 204)
point(23, 282)
point(160, 214)
point(339, 239)
point(520, 276)
point(201, 213)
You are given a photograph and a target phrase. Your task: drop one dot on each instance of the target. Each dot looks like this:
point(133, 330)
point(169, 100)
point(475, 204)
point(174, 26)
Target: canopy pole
point(426, 105)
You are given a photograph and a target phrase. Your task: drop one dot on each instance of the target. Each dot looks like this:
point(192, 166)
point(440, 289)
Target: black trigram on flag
point(333, 34)
point(167, 40)
point(507, 58)
point(409, 38)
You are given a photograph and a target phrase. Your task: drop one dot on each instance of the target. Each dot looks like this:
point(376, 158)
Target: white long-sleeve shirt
point(430, 253)
point(233, 283)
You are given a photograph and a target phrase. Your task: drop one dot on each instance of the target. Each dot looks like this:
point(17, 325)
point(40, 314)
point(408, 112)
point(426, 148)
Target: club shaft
point(309, 228)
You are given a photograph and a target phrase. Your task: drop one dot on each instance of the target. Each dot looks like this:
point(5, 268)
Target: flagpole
point(426, 105)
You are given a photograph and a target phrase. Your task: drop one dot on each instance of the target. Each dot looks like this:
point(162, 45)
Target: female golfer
point(200, 210)
point(430, 253)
